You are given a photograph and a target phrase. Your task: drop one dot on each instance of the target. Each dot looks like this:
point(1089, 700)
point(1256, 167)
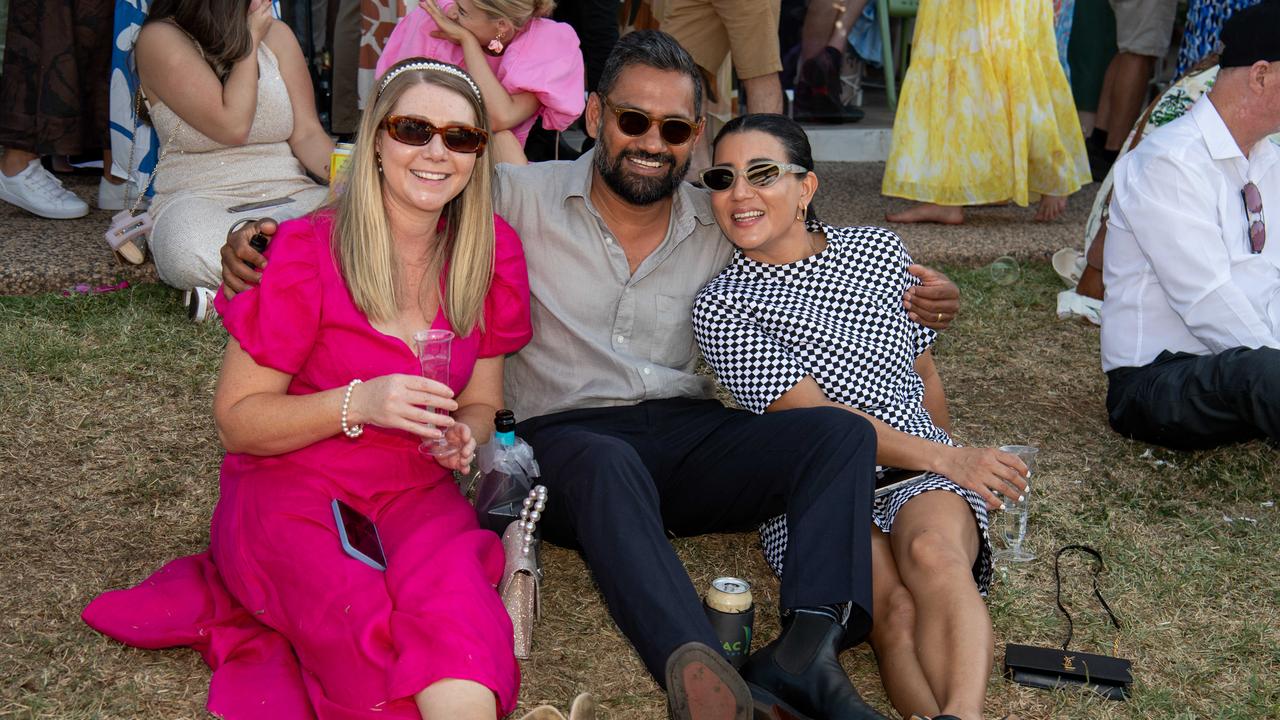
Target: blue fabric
point(864, 36)
point(1063, 14)
point(1204, 25)
point(123, 122)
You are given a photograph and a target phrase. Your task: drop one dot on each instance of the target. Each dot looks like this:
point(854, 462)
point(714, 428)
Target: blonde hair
point(362, 239)
point(519, 12)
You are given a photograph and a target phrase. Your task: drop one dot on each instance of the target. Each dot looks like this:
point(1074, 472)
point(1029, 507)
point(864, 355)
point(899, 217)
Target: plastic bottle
point(507, 470)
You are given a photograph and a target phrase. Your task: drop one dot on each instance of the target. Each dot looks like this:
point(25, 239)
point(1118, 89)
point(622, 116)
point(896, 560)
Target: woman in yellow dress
point(986, 114)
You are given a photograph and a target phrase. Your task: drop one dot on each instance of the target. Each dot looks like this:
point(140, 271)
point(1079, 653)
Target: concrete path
point(38, 255)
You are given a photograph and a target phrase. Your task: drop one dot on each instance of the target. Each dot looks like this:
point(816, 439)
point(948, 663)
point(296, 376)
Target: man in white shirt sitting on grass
point(1191, 316)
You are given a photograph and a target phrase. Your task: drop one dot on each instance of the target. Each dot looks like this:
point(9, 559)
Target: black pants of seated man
point(1186, 401)
point(620, 478)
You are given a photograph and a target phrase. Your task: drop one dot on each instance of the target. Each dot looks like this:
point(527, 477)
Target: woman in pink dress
point(320, 398)
point(526, 65)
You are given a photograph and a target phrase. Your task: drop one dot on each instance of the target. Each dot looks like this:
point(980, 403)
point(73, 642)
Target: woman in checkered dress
point(807, 314)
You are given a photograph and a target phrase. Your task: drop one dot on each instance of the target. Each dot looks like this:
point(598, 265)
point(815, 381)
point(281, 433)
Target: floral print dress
point(986, 114)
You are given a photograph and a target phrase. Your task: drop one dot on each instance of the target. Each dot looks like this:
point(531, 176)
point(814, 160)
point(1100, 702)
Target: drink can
point(337, 163)
point(732, 613)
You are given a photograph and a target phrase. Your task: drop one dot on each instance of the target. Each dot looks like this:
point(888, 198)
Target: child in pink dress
point(526, 65)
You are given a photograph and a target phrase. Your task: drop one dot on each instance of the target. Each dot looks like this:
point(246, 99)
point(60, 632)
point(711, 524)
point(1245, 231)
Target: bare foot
point(929, 212)
point(1051, 206)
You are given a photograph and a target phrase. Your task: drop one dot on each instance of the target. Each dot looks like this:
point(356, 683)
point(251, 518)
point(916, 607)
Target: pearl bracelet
point(353, 431)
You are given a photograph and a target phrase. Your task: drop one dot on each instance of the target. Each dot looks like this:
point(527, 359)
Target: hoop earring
point(495, 46)
point(800, 213)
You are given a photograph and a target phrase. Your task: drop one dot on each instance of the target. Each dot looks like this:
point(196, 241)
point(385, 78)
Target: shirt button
point(648, 371)
point(622, 339)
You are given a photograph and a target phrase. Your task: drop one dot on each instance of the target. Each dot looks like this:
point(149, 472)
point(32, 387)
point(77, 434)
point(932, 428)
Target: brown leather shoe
point(702, 685)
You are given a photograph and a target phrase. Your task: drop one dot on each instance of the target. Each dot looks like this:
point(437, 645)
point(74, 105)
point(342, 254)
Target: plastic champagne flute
point(1013, 524)
point(433, 348)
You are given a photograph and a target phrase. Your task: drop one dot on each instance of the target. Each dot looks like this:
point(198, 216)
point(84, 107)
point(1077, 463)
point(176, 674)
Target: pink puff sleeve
point(548, 63)
point(507, 326)
point(277, 322)
point(412, 38)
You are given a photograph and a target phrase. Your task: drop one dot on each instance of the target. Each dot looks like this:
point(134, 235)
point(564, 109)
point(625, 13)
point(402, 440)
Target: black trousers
point(596, 22)
point(1186, 401)
point(344, 117)
point(620, 478)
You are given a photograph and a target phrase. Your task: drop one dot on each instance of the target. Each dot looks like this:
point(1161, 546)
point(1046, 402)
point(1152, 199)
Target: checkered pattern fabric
point(773, 533)
point(836, 316)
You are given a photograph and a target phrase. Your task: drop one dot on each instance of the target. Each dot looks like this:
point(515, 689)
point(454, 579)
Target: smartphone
point(893, 478)
point(359, 536)
point(261, 204)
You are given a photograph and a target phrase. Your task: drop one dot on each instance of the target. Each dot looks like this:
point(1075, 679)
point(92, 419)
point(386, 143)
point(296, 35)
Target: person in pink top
point(320, 398)
point(526, 65)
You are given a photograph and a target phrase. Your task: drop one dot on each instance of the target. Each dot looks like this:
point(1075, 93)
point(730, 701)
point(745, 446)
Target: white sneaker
point(37, 191)
point(111, 196)
point(199, 302)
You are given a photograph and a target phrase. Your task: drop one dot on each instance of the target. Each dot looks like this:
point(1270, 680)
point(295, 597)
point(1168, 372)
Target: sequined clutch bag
point(521, 586)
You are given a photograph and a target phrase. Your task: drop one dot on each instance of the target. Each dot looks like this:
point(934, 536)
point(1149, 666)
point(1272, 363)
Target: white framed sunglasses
point(719, 178)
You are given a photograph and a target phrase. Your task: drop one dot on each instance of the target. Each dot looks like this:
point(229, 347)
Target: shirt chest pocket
point(673, 344)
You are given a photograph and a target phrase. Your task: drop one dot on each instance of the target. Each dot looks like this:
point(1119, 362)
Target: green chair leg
point(886, 53)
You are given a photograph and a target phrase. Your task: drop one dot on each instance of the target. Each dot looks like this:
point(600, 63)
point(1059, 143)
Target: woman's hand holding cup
point(404, 402)
point(458, 435)
point(986, 471)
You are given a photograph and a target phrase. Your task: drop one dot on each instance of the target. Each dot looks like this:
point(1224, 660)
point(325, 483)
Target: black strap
point(1097, 570)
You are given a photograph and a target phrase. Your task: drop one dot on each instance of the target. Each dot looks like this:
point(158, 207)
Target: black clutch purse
point(1043, 667)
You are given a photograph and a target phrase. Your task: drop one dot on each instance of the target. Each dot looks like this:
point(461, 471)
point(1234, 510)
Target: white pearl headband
point(428, 65)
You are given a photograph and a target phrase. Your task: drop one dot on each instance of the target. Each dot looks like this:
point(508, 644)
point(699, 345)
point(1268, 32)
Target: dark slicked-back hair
point(783, 129)
point(792, 137)
point(655, 49)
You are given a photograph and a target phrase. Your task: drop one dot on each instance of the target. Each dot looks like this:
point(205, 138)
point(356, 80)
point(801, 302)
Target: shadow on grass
point(108, 468)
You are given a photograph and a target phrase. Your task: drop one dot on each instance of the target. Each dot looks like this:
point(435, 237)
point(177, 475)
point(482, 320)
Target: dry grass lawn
point(108, 468)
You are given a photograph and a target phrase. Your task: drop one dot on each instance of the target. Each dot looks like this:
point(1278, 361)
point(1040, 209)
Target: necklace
point(817, 242)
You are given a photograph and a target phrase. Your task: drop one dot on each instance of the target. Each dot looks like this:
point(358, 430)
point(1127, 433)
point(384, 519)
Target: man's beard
point(638, 189)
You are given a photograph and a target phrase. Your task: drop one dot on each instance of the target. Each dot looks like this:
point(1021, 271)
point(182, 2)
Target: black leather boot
point(799, 676)
point(818, 90)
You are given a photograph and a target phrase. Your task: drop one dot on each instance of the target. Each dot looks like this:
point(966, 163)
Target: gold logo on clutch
point(1067, 662)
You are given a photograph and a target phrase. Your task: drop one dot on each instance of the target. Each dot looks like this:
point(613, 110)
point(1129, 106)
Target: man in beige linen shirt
point(631, 445)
